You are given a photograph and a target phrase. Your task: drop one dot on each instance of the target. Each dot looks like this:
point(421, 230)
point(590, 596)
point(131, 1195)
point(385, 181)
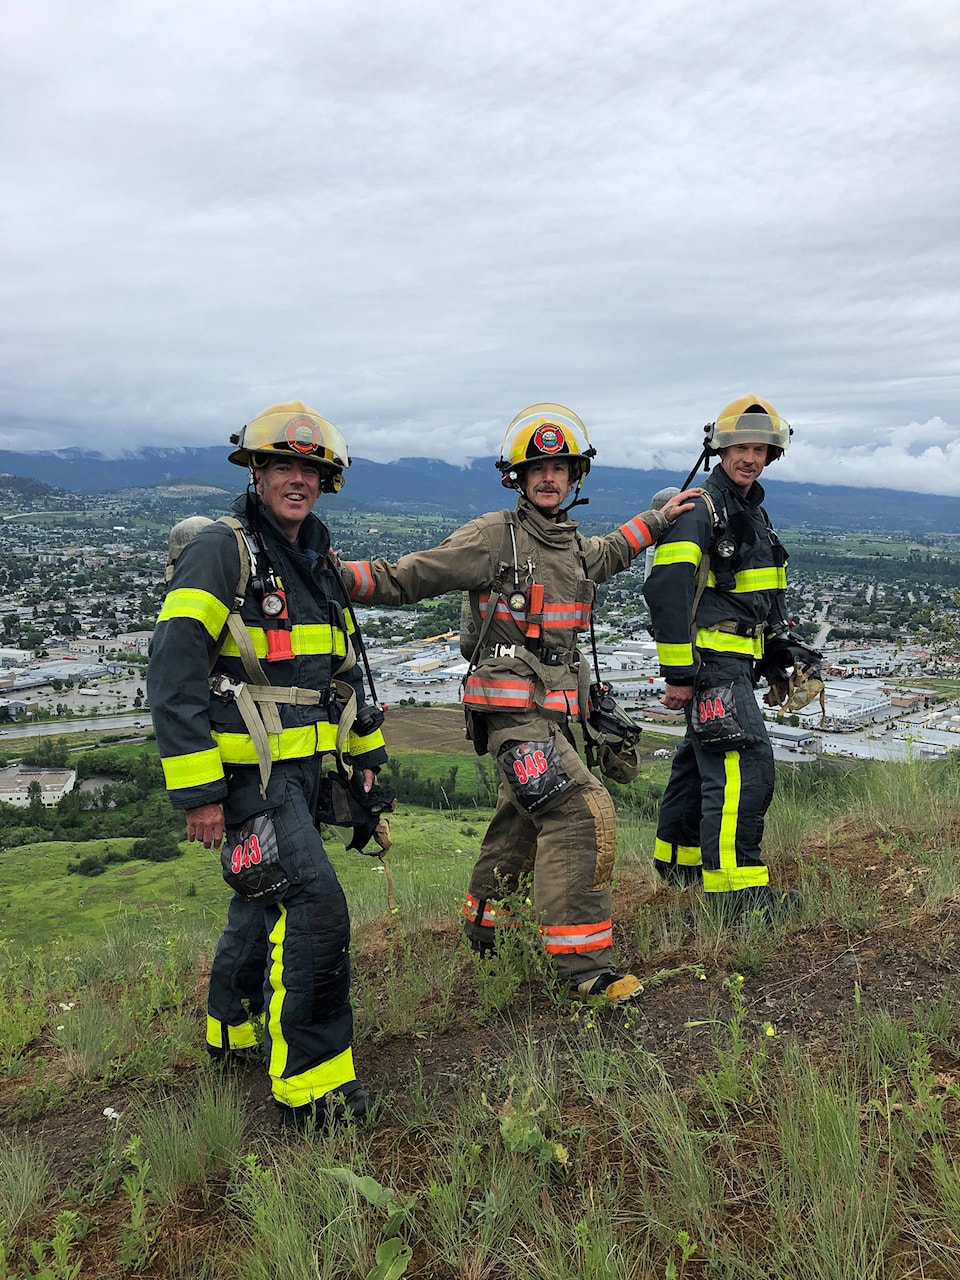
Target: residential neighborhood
point(81, 582)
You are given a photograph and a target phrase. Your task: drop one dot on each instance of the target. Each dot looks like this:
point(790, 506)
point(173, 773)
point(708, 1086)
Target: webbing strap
point(703, 573)
point(256, 727)
point(257, 699)
point(348, 695)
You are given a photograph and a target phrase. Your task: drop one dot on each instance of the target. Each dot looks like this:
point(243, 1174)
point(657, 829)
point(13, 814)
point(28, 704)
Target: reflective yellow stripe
point(193, 770)
point(677, 553)
point(187, 602)
point(675, 655)
point(278, 1046)
point(297, 1091)
point(754, 580)
point(243, 1036)
point(305, 641)
point(359, 746)
point(730, 876)
point(686, 855)
point(289, 744)
point(725, 642)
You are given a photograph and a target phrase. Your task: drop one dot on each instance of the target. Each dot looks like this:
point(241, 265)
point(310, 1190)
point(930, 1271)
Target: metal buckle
point(224, 686)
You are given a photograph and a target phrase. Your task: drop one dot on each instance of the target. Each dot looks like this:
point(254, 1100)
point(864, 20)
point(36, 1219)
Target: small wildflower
point(769, 1029)
point(65, 1007)
point(59, 1026)
point(111, 1114)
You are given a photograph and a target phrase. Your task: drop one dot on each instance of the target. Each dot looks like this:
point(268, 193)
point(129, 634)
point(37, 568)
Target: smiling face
point(288, 488)
point(547, 485)
point(743, 463)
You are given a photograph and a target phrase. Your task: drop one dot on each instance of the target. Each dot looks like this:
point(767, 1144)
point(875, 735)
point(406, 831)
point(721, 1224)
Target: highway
point(138, 723)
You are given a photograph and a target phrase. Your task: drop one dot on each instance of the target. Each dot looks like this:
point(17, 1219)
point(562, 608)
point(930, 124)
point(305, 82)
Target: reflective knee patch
point(250, 861)
point(605, 825)
point(534, 772)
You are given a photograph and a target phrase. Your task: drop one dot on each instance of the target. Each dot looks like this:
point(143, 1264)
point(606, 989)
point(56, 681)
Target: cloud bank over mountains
point(421, 218)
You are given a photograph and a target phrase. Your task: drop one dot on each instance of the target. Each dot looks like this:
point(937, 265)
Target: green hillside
point(779, 1102)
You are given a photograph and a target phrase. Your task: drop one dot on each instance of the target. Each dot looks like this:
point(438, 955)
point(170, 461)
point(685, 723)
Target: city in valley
point(81, 582)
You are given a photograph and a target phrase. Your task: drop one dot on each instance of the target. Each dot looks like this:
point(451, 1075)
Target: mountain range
point(422, 485)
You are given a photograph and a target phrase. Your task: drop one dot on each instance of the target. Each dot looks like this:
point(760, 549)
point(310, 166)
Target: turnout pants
point(556, 819)
point(287, 962)
point(712, 812)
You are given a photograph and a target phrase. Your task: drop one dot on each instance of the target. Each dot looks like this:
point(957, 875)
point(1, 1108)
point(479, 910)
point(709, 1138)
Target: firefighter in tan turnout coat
point(531, 579)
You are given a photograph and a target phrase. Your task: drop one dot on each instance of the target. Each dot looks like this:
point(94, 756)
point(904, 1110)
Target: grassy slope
point(430, 861)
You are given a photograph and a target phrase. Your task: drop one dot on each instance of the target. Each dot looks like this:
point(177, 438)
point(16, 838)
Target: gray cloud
point(420, 219)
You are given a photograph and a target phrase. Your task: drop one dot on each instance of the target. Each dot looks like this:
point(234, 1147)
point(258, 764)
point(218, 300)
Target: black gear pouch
point(714, 718)
point(250, 859)
point(535, 772)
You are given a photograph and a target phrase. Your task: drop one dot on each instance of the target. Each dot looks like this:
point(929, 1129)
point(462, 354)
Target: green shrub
point(91, 865)
point(156, 849)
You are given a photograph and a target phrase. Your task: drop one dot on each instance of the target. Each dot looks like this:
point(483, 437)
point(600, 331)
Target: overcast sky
point(421, 217)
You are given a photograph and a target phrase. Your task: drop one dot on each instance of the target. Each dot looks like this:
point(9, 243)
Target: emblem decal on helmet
point(302, 435)
point(548, 438)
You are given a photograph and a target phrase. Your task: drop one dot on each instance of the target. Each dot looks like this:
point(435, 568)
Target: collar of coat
point(313, 537)
point(551, 533)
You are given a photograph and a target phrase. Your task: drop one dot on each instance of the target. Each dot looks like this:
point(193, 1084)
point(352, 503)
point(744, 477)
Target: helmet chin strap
point(577, 502)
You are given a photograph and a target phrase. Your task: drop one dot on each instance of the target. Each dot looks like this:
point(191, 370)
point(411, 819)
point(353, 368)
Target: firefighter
point(716, 598)
point(531, 580)
point(244, 714)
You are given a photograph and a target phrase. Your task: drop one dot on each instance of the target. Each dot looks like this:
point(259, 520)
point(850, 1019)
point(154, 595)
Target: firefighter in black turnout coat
point(251, 667)
point(716, 597)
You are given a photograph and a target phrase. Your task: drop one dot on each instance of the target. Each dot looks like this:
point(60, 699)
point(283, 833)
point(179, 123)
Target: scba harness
point(257, 700)
point(786, 664)
point(610, 735)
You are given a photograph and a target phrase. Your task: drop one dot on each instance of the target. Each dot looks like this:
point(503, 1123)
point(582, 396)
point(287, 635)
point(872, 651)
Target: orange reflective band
point(636, 533)
point(363, 579)
point(493, 916)
point(502, 613)
point(569, 939)
point(488, 692)
point(574, 616)
point(566, 700)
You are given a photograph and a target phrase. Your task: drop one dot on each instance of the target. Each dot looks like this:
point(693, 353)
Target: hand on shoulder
point(680, 503)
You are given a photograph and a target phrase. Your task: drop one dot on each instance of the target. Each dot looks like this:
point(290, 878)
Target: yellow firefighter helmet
point(545, 431)
point(293, 430)
point(750, 420)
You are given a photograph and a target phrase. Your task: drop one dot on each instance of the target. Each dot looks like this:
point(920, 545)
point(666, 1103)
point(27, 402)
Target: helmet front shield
point(750, 428)
point(293, 429)
point(542, 432)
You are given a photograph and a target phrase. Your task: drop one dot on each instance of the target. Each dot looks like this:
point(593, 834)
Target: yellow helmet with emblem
point(750, 420)
point(544, 431)
point(293, 430)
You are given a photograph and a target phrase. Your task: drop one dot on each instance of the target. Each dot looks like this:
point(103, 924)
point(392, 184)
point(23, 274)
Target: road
point(138, 722)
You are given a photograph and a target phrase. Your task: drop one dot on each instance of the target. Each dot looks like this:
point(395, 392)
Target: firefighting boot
point(249, 1055)
point(678, 875)
point(613, 988)
point(773, 903)
point(350, 1103)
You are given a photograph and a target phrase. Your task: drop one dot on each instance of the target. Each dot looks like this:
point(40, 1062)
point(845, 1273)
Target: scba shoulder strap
point(257, 700)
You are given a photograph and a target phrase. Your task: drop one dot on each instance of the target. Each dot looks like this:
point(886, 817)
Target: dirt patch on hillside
point(427, 729)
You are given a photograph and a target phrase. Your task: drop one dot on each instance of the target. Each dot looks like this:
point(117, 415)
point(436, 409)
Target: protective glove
point(342, 802)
